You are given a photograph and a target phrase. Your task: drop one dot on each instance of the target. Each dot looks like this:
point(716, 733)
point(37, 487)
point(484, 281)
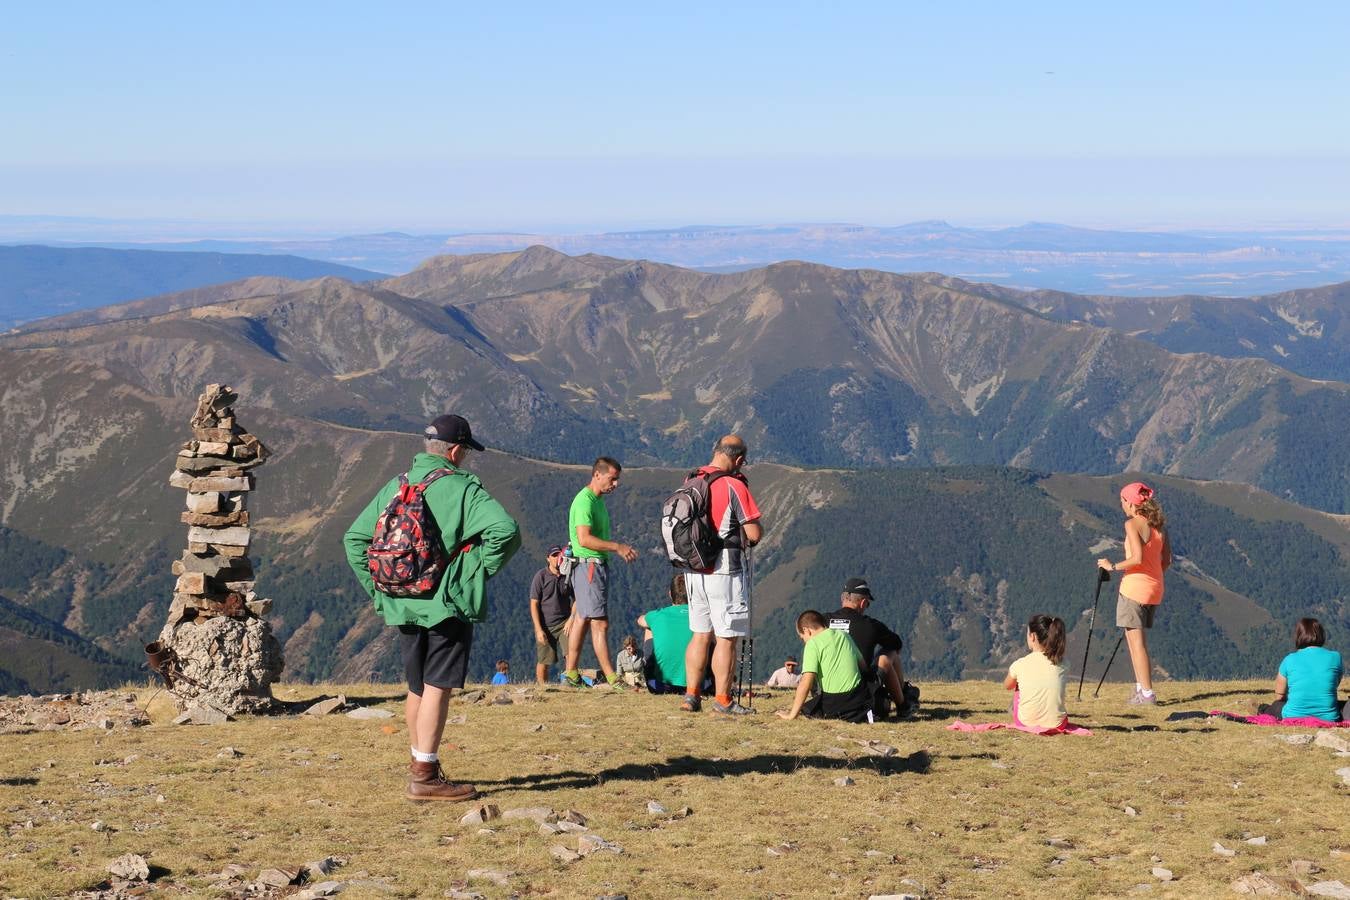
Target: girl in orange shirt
point(1148, 552)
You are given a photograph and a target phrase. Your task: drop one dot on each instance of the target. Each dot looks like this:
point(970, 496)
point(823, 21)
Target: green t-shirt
point(834, 659)
point(588, 508)
point(670, 640)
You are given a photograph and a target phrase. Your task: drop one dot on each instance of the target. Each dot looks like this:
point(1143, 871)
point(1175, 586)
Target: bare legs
point(576, 636)
point(1136, 641)
point(426, 717)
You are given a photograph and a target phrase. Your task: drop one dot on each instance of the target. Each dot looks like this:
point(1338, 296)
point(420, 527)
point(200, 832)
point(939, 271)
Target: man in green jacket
point(437, 628)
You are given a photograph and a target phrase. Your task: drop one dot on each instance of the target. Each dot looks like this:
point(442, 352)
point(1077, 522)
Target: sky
point(423, 116)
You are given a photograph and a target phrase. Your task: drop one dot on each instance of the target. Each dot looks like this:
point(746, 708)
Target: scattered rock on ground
point(1258, 841)
point(323, 866)
point(1130, 811)
point(1222, 850)
point(367, 712)
point(540, 814)
point(1344, 772)
point(1330, 739)
point(322, 889)
point(844, 781)
point(655, 809)
point(201, 715)
point(130, 866)
point(469, 697)
point(1336, 889)
point(229, 753)
point(535, 728)
point(484, 812)
point(327, 705)
point(1297, 740)
point(571, 815)
point(1257, 883)
point(278, 877)
point(1162, 874)
point(563, 854)
point(594, 843)
point(496, 876)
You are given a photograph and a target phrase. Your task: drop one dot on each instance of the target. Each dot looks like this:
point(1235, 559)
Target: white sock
point(1138, 687)
point(1146, 693)
point(424, 757)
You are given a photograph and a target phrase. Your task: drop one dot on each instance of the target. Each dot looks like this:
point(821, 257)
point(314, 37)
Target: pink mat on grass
point(1303, 722)
point(1066, 728)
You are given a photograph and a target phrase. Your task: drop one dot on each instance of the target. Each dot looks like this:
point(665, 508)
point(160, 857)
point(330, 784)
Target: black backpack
point(691, 538)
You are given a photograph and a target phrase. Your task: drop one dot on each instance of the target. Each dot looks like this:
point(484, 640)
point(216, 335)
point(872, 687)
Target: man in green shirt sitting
point(831, 660)
point(588, 530)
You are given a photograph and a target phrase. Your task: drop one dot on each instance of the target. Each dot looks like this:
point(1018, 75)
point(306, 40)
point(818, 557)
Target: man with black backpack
point(423, 549)
point(719, 594)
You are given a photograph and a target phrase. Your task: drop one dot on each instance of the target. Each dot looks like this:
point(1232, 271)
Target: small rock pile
point(221, 652)
point(103, 710)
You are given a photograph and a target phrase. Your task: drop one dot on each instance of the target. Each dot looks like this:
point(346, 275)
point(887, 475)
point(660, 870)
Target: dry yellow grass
point(962, 815)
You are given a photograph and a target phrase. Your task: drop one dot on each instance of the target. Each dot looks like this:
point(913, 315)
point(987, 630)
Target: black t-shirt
point(554, 595)
point(869, 634)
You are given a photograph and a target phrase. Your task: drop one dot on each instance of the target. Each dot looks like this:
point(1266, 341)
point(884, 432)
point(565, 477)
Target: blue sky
point(606, 114)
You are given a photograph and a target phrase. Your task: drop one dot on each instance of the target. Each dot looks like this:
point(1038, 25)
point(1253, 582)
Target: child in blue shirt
point(503, 675)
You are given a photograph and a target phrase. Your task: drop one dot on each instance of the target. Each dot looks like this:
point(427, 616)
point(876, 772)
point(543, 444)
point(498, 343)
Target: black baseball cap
point(452, 430)
point(858, 586)
point(554, 549)
point(790, 659)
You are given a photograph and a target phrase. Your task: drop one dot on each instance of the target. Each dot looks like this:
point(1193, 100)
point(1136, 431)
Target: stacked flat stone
point(223, 656)
point(215, 576)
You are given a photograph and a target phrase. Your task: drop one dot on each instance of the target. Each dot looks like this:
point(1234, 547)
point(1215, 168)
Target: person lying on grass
point(832, 660)
point(1037, 679)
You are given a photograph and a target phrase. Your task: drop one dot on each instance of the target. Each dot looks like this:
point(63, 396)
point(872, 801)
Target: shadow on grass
point(20, 781)
point(1212, 695)
point(940, 713)
point(917, 763)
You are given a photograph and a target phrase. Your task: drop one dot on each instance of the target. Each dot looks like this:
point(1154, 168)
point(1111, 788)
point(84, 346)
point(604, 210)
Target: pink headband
point(1135, 493)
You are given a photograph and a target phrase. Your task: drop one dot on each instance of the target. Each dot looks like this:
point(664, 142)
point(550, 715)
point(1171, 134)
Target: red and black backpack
point(406, 556)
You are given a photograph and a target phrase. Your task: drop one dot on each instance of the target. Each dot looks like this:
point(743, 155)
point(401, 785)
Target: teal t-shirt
point(588, 508)
point(670, 640)
point(834, 659)
point(1313, 674)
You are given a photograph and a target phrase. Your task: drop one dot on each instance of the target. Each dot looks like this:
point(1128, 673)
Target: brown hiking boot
point(427, 782)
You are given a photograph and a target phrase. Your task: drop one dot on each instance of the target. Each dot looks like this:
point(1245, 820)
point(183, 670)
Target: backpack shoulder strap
point(434, 476)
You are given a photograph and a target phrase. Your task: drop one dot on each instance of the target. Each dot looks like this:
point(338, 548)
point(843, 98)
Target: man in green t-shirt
point(588, 530)
point(668, 637)
point(832, 661)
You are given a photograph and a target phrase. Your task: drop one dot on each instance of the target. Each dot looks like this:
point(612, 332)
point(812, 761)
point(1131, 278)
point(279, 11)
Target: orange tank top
point(1144, 583)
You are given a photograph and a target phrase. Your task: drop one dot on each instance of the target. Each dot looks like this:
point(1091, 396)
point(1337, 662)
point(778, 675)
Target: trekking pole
point(1103, 576)
point(1108, 663)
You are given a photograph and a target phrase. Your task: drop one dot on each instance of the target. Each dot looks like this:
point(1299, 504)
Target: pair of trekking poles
point(745, 664)
point(1103, 576)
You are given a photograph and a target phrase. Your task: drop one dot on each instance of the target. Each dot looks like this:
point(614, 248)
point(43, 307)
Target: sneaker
point(731, 709)
point(691, 703)
point(1139, 698)
point(576, 682)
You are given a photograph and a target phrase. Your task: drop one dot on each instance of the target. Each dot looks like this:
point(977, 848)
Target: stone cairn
point(216, 652)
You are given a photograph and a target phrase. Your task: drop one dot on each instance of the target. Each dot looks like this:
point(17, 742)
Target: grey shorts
point(590, 589)
point(1133, 615)
point(546, 654)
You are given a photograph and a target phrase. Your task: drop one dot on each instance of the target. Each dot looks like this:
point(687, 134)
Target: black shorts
point(438, 656)
point(851, 707)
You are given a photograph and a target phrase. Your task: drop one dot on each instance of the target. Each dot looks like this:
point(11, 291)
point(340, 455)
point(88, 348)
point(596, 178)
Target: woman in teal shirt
point(1306, 685)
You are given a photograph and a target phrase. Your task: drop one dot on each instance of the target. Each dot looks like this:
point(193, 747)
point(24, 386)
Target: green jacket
point(465, 513)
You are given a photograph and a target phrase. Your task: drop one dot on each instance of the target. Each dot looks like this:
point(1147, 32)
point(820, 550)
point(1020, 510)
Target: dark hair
point(679, 592)
point(629, 639)
point(1309, 633)
point(1049, 632)
point(502, 665)
point(810, 619)
point(605, 464)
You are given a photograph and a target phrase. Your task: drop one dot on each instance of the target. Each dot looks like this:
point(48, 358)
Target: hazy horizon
point(429, 118)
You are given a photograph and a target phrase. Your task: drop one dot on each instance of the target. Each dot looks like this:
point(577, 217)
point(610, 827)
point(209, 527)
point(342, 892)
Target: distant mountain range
point(850, 386)
point(38, 281)
point(1035, 255)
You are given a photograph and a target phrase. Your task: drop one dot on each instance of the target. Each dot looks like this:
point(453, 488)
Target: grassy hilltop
point(946, 814)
